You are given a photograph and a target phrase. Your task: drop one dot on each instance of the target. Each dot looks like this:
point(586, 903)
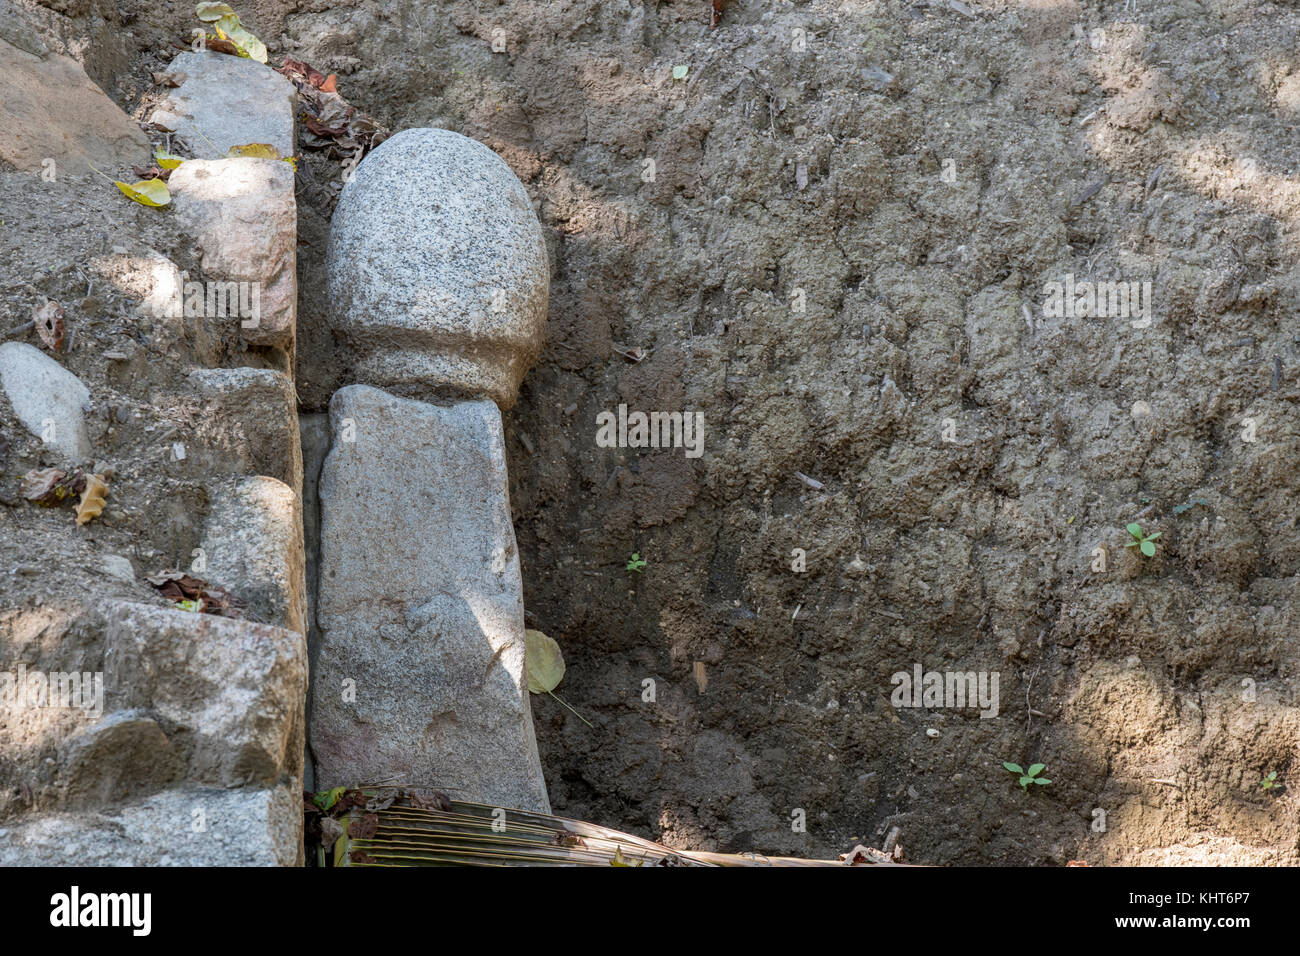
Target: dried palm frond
point(405, 829)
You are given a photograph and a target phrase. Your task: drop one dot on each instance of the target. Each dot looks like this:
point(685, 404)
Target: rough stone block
point(420, 604)
point(244, 218)
point(253, 546)
point(231, 101)
point(192, 826)
point(229, 694)
point(249, 424)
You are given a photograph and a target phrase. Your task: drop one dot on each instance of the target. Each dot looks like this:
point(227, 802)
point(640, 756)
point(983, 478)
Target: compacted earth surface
point(839, 231)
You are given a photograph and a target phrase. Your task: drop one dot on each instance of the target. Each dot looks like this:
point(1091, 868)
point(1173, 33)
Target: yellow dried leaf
point(544, 661)
point(150, 192)
point(256, 151)
point(166, 160)
point(92, 499)
point(242, 37)
point(262, 151)
point(211, 12)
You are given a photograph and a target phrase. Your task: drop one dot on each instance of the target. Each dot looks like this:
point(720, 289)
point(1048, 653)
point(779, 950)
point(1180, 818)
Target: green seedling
point(1141, 541)
point(1179, 509)
point(1028, 776)
point(1269, 782)
point(635, 564)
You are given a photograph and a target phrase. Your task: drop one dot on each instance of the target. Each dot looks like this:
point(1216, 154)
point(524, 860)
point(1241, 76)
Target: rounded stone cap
point(437, 269)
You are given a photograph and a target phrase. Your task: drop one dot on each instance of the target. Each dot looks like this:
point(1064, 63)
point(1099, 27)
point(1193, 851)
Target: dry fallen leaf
point(261, 151)
point(151, 172)
point(92, 500)
point(150, 192)
point(166, 160)
point(221, 45)
point(364, 828)
point(38, 486)
point(49, 324)
point(196, 593)
point(211, 12)
point(434, 801)
point(52, 486)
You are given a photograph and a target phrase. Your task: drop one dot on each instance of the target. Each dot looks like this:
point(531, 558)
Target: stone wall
point(184, 740)
point(179, 608)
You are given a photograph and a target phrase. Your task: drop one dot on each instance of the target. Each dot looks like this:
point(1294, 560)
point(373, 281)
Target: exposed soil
point(920, 172)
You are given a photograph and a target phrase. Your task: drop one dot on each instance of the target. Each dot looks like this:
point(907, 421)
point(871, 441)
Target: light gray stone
point(191, 826)
point(47, 398)
point(248, 426)
point(147, 697)
point(252, 545)
point(243, 216)
point(230, 101)
point(437, 269)
point(123, 755)
point(229, 694)
point(420, 604)
point(116, 566)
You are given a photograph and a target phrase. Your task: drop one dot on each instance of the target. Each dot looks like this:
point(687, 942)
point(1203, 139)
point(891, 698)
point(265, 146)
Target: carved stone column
point(439, 277)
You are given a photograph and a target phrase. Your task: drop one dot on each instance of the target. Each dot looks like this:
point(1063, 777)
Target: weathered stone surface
point(420, 604)
point(252, 544)
point(125, 698)
point(118, 567)
point(46, 397)
point(242, 827)
point(229, 694)
point(437, 269)
point(49, 109)
point(249, 424)
point(123, 755)
point(314, 428)
point(243, 216)
point(232, 101)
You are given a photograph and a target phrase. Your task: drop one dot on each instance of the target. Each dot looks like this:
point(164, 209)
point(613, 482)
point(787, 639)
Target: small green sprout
point(188, 605)
point(679, 72)
point(1141, 541)
point(1028, 776)
point(635, 564)
point(1269, 782)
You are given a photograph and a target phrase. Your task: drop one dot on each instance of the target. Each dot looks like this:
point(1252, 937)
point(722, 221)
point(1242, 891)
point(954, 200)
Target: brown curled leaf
point(51, 486)
point(38, 486)
point(219, 45)
point(434, 801)
point(151, 172)
point(49, 324)
point(365, 828)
